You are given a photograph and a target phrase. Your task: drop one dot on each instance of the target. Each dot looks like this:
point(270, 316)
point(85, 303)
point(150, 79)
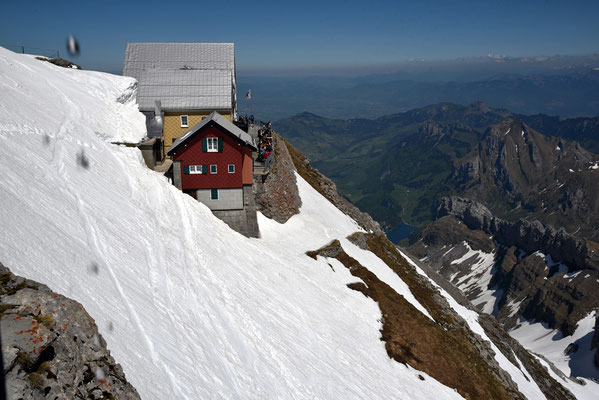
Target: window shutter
point(205, 145)
point(220, 144)
point(204, 169)
point(186, 169)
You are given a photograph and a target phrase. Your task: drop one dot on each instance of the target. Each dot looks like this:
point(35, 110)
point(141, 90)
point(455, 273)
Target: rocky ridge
point(519, 173)
point(447, 350)
point(51, 347)
point(536, 272)
point(529, 236)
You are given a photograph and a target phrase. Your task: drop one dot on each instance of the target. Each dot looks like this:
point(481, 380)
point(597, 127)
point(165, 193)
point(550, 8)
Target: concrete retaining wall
point(244, 221)
point(228, 199)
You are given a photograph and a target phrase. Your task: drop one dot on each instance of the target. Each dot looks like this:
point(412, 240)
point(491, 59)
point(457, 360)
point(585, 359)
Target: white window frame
point(195, 169)
point(229, 168)
point(186, 124)
point(217, 195)
point(212, 144)
point(215, 169)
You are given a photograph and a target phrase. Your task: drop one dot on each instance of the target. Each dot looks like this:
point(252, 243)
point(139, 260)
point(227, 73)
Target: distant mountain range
point(398, 166)
point(568, 94)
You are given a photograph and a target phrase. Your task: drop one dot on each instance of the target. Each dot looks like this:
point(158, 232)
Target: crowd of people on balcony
point(265, 141)
point(247, 120)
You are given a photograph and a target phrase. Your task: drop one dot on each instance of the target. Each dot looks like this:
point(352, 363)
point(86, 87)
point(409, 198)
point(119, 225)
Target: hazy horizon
point(312, 36)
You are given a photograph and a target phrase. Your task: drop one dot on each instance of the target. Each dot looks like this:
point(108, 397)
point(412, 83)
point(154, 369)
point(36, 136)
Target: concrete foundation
point(228, 199)
point(243, 221)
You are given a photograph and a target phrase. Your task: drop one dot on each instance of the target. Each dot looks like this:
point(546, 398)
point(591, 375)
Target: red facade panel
point(191, 153)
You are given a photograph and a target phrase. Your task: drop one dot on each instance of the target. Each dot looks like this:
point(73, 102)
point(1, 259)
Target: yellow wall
point(171, 128)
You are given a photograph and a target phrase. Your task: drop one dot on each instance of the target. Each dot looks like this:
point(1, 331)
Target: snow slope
point(551, 343)
point(188, 307)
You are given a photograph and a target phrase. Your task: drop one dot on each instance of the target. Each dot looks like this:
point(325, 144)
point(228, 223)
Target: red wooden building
point(213, 163)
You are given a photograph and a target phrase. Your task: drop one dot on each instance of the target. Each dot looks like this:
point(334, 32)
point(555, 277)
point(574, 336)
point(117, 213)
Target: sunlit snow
point(188, 307)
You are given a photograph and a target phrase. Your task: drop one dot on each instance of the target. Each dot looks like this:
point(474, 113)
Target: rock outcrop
point(535, 271)
point(51, 348)
point(530, 236)
point(276, 194)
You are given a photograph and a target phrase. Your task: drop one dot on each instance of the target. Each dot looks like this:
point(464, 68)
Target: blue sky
point(279, 34)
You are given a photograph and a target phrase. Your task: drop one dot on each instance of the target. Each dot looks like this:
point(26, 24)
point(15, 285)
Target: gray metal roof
point(219, 120)
point(142, 56)
point(184, 90)
point(183, 76)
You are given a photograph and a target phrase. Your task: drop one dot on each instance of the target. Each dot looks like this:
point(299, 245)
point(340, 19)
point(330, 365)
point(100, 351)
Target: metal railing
point(32, 50)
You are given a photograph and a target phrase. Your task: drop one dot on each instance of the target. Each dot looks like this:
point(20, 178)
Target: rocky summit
point(519, 173)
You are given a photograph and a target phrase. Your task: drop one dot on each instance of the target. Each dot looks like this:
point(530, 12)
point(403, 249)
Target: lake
point(400, 233)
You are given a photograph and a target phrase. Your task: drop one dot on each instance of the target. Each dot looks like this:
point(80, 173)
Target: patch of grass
point(4, 308)
point(24, 360)
point(45, 320)
point(8, 291)
point(4, 278)
point(37, 381)
point(43, 367)
point(442, 348)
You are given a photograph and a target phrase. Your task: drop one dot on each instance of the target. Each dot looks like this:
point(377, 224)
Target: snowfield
point(188, 307)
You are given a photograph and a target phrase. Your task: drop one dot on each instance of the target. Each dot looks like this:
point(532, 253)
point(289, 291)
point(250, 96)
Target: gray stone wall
point(228, 199)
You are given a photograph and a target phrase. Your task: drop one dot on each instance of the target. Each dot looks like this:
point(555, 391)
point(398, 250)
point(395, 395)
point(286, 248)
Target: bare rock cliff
point(51, 348)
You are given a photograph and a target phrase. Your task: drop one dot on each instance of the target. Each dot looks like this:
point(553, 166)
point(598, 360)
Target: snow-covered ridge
point(188, 307)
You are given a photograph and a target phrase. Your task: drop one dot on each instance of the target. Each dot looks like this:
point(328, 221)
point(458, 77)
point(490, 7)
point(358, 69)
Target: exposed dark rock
point(539, 273)
point(519, 173)
point(61, 62)
point(530, 236)
point(571, 349)
point(51, 347)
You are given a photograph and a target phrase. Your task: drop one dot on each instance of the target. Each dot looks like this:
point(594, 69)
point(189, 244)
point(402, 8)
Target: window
point(197, 169)
point(231, 168)
point(213, 169)
point(213, 194)
point(184, 122)
point(212, 144)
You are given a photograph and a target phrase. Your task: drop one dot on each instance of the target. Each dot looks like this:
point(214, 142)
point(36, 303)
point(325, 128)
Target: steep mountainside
point(396, 167)
point(315, 308)
point(519, 173)
point(521, 272)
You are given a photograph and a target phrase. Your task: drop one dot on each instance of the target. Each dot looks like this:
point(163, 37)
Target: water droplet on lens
point(72, 46)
